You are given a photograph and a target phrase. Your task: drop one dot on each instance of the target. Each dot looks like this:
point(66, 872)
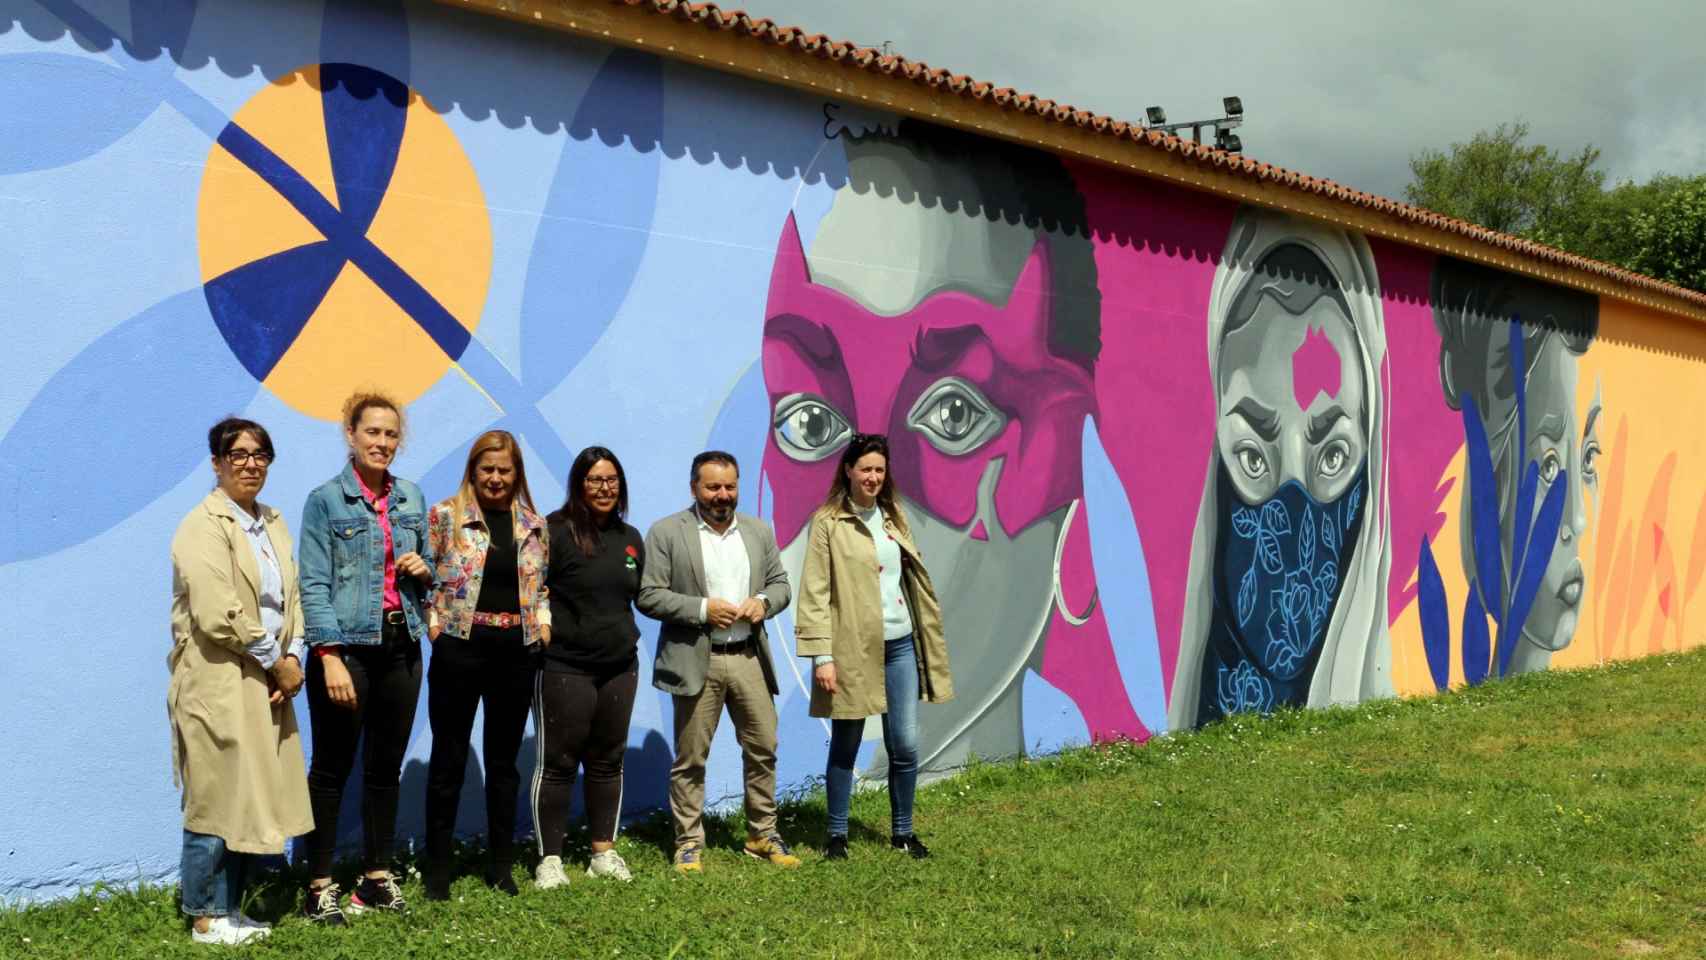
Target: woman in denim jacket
point(367, 571)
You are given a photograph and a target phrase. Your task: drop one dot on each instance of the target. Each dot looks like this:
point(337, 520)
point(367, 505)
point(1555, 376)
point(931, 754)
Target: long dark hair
point(841, 491)
point(583, 523)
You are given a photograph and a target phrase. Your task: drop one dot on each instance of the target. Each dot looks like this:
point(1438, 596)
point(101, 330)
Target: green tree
point(1670, 236)
point(1501, 182)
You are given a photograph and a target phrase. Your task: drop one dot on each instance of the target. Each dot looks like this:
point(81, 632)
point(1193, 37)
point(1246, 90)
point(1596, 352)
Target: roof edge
point(760, 49)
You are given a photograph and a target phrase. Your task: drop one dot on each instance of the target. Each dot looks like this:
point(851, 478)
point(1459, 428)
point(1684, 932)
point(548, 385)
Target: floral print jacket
point(459, 543)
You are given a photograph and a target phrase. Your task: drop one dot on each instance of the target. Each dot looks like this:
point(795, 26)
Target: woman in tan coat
point(236, 661)
point(869, 619)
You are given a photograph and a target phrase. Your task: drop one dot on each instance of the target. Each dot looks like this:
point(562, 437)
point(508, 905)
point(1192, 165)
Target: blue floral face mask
point(1278, 568)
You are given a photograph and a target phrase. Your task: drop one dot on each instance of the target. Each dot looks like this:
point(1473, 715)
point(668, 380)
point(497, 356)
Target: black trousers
point(582, 719)
point(465, 674)
point(387, 679)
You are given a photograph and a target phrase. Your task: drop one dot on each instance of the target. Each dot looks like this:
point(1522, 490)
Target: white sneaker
point(549, 874)
point(242, 919)
point(609, 864)
point(221, 930)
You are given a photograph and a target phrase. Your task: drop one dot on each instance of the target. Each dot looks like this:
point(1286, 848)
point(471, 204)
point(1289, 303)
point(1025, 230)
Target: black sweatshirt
point(592, 598)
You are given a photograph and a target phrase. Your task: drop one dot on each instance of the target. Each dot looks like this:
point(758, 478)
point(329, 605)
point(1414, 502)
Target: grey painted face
point(996, 596)
point(1566, 454)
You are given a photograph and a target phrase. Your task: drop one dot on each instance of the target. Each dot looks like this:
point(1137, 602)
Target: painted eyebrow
point(1261, 419)
point(1551, 427)
point(1592, 420)
point(1322, 423)
point(935, 350)
point(811, 338)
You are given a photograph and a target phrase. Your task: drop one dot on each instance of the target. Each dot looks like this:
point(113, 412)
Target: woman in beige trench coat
point(236, 661)
point(869, 619)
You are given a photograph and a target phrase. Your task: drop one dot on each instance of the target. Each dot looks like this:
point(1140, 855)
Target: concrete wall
point(1167, 458)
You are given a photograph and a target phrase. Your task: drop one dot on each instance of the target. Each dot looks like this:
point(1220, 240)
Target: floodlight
point(1234, 106)
point(1157, 116)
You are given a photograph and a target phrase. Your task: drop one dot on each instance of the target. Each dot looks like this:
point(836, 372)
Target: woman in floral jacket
point(489, 622)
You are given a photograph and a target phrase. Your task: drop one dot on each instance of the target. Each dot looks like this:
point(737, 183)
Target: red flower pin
point(630, 551)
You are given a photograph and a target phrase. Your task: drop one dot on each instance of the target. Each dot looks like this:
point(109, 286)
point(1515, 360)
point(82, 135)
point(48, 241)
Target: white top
point(266, 650)
point(728, 575)
point(897, 620)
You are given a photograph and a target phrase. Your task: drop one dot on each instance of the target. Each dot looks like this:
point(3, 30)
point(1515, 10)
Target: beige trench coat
point(237, 757)
point(839, 612)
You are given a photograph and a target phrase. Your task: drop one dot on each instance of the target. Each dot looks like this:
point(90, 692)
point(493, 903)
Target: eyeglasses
point(608, 483)
point(240, 458)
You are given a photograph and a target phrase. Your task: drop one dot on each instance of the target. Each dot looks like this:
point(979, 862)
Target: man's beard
point(997, 596)
point(719, 513)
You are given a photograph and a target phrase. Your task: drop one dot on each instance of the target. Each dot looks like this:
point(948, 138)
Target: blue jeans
point(900, 739)
point(212, 877)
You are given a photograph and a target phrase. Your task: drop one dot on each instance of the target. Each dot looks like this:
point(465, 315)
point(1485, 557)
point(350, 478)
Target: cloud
point(1340, 90)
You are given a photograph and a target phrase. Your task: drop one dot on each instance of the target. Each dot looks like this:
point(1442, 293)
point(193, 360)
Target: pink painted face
point(957, 383)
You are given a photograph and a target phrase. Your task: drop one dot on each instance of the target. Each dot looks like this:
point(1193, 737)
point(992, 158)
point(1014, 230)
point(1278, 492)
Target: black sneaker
point(836, 848)
point(320, 905)
point(911, 844)
point(377, 893)
point(503, 881)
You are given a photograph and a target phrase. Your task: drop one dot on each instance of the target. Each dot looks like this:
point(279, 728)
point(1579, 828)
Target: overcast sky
point(1340, 90)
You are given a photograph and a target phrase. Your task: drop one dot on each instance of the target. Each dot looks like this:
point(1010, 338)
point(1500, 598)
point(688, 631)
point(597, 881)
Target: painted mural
point(1169, 459)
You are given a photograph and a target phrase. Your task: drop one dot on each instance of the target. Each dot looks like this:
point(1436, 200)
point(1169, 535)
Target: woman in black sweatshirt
point(586, 691)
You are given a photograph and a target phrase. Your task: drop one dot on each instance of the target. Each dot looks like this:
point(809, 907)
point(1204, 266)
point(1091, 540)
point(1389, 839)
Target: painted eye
point(1549, 467)
point(1251, 461)
point(955, 417)
point(1590, 462)
point(1334, 458)
point(808, 428)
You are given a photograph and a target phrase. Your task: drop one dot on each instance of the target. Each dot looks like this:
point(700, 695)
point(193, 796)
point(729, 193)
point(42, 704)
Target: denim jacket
point(342, 561)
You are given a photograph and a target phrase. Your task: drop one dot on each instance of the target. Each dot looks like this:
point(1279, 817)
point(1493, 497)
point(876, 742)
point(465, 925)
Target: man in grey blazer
point(713, 576)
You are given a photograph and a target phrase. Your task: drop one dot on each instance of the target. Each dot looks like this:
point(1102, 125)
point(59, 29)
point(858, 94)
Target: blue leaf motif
point(1329, 533)
point(597, 220)
point(1247, 597)
point(1484, 511)
point(1275, 517)
point(1533, 569)
point(1477, 654)
point(61, 108)
point(1326, 581)
point(1245, 523)
point(1268, 549)
point(1351, 504)
point(1306, 540)
point(162, 374)
point(1435, 617)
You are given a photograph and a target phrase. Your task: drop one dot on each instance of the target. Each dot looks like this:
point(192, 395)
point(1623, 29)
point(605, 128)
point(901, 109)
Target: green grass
point(1558, 815)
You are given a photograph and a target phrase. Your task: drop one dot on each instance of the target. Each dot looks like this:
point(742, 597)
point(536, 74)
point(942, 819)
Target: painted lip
point(1571, 591)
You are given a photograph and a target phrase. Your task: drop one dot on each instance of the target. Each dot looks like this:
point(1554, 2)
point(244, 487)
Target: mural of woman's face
point(1291, 402)
point(1566, 453)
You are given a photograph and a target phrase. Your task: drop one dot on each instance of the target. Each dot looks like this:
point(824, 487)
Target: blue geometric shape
point(365, 112)
point(1122, 583)
point(72, 456)
point(596, 222)
point(261, 307)
point(61, 109)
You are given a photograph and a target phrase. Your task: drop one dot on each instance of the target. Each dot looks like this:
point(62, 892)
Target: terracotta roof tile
point(869, 58)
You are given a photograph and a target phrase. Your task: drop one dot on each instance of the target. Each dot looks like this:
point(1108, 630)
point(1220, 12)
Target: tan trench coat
point(839, 612)
point(237, 757)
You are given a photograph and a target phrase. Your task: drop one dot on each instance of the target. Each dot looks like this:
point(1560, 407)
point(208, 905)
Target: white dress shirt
point(266, 650)
point(728, 576)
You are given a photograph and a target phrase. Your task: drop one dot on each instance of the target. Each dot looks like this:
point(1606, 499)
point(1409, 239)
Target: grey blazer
point(673, 587)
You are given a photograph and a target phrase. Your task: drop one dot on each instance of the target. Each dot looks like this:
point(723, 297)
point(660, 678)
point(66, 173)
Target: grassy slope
point(1555, 816)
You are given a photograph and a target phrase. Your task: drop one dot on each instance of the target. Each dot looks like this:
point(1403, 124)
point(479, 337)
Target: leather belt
point(503, 621)
point(395, 618)
point(733, 646)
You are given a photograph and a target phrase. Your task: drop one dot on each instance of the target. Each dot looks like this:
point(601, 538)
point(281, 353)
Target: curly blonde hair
point(365, 399)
